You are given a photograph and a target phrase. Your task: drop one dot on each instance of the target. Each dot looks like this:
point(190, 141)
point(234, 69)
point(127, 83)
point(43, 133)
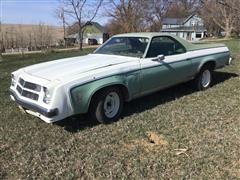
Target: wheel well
point(124, 91)
point(121, 87)
point(211, 64)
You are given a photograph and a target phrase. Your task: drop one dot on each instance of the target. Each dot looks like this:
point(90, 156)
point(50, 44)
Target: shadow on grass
point(76, 123)
point(80, 122)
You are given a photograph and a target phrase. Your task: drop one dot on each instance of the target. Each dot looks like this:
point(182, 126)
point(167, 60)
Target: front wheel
point(204, 78)
point(106, 105)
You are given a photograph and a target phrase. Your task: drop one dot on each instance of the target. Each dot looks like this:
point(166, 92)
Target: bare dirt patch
point(152, 142)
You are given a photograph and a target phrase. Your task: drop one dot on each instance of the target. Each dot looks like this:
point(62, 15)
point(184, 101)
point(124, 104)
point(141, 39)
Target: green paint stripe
point(119, 74)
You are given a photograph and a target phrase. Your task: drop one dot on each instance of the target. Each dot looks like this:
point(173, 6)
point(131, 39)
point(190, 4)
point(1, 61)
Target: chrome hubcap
point(206, 78)
point(111, 104)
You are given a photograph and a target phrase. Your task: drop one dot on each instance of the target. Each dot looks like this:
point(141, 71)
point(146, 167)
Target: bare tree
point(223, 13)
point(60, 14)
point(157, 11)
point(128, 14)
point(2, 48)
point(30, 41)
point(41, 36)
point(183, 8)
point(21, 39)
point(136, 15)
point(83, 12)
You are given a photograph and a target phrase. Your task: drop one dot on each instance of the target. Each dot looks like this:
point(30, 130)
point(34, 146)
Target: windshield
point(124, 46)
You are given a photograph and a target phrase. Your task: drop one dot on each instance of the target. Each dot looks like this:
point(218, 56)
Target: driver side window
point(166, 46)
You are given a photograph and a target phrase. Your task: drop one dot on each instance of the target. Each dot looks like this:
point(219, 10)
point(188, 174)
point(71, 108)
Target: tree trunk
point(80, 42)
point(228, 29)
point(81, 45)
point(228, 33)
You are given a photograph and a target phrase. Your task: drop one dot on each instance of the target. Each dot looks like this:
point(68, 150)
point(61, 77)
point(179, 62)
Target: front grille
point(29, 85)
point(19, 89)
point(23, 88)
point(30, 95)
point(21, 81)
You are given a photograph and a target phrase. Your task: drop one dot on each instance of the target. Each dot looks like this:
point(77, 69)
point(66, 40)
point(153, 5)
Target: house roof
point(176, 21)
point(173, 21)
point(185, 29)
point(189, 17)
point(97, 25)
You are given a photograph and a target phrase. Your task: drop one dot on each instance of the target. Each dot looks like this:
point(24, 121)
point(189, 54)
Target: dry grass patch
point(193, 136)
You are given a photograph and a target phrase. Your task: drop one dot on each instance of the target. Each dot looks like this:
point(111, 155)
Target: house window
point(192, 23)
point(198, 35)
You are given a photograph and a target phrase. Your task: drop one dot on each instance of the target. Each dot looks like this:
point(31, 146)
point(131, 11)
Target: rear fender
point(219, 60)
point(205, 62)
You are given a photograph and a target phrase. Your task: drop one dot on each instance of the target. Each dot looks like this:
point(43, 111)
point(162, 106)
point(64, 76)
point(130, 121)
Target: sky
point(33, 12)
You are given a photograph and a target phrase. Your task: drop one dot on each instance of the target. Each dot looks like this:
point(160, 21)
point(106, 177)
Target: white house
point(190, 28)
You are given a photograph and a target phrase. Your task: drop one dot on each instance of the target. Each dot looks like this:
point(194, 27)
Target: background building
point(190, 28)
point(93, 34)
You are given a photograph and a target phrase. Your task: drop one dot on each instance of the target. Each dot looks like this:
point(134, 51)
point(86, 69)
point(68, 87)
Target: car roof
point(142, 34)
point(150, 35)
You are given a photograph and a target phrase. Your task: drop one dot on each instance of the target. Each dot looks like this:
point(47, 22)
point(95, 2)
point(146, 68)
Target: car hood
point(59, 69)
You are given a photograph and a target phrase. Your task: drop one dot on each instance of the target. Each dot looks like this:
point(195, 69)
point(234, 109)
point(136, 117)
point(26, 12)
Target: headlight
point(47, 96)
point(13, 80)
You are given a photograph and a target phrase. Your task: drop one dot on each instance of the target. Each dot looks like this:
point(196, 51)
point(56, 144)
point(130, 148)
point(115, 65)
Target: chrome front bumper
point(27, 105)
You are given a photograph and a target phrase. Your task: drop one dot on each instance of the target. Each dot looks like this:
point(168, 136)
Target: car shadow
point(80, 122)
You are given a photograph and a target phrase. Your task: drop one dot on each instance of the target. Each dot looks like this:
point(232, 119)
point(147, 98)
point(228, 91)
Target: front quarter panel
point(81, 95)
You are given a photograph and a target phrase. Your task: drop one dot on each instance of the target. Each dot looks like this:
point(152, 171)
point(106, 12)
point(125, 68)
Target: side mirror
point(159, 58)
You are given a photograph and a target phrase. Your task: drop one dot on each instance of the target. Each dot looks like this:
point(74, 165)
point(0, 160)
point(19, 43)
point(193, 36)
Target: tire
point(107, 105)
point(204, 78)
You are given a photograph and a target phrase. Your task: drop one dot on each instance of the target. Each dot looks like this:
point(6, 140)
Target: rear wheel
point(106, 105)
point(204, 78)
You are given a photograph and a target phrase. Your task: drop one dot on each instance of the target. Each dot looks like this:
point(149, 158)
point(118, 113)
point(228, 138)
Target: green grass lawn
point(193, 135)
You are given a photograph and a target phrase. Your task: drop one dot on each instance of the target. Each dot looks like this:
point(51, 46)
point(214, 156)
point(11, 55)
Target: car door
point(173, 69)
